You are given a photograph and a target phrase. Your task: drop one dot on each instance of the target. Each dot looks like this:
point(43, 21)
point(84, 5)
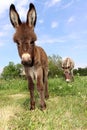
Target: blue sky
point(61, 29)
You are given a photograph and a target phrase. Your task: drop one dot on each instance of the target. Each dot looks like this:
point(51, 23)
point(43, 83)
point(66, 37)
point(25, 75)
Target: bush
point(11, 71)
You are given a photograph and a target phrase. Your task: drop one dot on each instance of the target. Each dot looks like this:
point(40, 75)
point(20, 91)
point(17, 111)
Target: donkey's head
point(24, 35)
point(67, 67)
point(67, 72)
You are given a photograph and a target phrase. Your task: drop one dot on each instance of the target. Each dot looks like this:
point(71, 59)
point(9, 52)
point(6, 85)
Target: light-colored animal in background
point(68, 66)
point(33, 57)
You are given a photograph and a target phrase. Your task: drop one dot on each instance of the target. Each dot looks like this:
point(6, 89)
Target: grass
point(66, 106)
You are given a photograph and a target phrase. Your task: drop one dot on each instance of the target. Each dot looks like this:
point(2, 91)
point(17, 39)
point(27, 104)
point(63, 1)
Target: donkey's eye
point(32, 42)
point(18, 44)
point(68, 67)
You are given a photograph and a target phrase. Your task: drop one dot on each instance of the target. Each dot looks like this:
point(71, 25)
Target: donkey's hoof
point(32, 108)
point(46, 97)
point(43, 107)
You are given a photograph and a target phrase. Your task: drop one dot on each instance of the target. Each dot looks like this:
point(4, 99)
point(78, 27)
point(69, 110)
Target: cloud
point(49, 40)
point(21, 8)
point(41, 21)
point(67, 5)
point(54, 24)
point(52, 3)
point(76, 37)
point(4, 5)
point(1, 34)
point(20, 5)
point(5, 28)
point(71, 20)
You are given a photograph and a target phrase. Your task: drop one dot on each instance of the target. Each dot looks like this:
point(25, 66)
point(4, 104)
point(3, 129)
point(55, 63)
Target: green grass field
point(66, 106)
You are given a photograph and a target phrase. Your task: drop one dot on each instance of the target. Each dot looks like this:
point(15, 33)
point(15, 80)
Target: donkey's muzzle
point(27, 63)
point(67, 77)
point(26, 60)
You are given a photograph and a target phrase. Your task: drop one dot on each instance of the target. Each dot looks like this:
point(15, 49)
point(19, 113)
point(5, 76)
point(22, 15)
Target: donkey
point(68, 66)
point(33, 58)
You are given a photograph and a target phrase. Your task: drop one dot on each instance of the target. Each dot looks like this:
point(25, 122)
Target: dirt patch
point(6, 113)
point(54, 99)
point(18, 96)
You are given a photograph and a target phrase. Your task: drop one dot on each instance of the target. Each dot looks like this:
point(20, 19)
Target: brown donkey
point(33, 57)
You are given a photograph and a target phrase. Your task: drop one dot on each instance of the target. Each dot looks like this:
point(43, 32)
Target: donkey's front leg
point(31, 89)
point(40, 88)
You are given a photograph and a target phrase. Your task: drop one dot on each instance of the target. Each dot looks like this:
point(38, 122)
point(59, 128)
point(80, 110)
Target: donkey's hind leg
point(45, 82)
point(40, 88)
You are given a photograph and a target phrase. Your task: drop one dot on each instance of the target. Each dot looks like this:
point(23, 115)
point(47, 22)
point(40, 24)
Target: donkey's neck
point(36, 58)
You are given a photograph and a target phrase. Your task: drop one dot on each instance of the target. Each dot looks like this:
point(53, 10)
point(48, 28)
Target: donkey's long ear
point(14, 17)
point(31, 16)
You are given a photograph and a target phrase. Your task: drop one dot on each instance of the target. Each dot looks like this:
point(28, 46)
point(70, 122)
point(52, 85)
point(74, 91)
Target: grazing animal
point(33, 58)
point(68, 66)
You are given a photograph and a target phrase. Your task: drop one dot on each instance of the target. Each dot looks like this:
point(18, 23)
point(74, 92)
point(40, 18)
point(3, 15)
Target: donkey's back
point(42, 56)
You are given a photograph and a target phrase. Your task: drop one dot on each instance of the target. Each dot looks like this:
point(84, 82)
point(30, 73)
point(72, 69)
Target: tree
point(11, 71)
point(81, 71)
point(55, 66)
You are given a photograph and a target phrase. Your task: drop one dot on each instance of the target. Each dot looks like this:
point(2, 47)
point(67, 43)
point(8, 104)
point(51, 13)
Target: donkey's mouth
point(28, 63)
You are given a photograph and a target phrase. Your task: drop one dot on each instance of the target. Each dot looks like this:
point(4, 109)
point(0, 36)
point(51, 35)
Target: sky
point(61, 29)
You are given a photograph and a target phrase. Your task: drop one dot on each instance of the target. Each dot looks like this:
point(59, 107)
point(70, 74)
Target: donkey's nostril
point(26, 63)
